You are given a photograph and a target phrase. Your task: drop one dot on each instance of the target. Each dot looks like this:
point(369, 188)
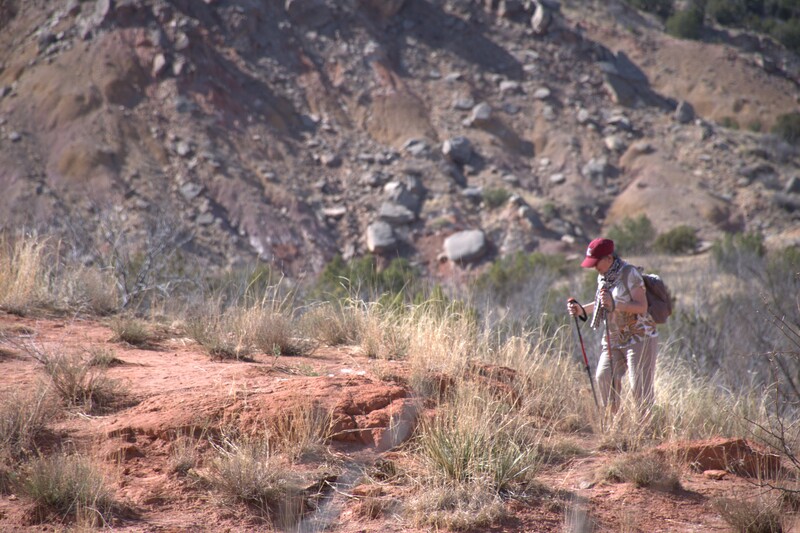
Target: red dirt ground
point(176, 387)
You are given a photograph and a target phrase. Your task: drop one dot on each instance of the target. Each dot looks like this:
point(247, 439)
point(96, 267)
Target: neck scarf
point(608, 281)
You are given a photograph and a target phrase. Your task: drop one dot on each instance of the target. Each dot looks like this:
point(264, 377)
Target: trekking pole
point(583, 317)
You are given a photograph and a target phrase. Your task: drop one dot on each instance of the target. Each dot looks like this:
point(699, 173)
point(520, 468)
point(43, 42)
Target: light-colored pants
point(639, 360)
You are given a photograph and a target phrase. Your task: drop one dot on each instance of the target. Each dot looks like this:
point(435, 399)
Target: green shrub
point(495, 197)
point(788, 34)
point(788, 127)
point(679, 240)
point(361, 277)
point(508, 274)
point(726, 12)
point(69, 486)
point(632, 235)
point(686, 24)
point(662, 8)
point(729, 122)
point(736, 252)
point(755, 126)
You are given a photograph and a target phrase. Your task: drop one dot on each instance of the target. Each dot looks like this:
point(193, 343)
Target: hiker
point(620, 307)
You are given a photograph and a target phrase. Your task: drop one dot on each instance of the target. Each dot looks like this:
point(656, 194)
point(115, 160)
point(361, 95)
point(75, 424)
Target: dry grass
point(246, 471)
point(24, 415)
point(69, 487)
point(302, 432)
point(239, 332)
point(455, 506)
point(23, 276)
point(760, 516)
point(79, 383)
point(131, 330)
point(644, 469)
point(332, 323)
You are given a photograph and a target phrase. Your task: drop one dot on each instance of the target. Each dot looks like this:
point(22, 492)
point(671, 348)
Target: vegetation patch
point(644, 469)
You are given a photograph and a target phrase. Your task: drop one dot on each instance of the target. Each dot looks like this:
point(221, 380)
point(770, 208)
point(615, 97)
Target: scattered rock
point(684, 113)
point(583, 116)
point(557, 179)
point(790, 202)
point(330, 160)
point(792, 186)
point(380, 238)
point(458, 150)
point(508, 86)
point(396, 214)
point(614, 143)
point(190, 190)
point(336, 212)
point(542, 18)
point(159, 64)
point(715, 474)
point(542, 93)
point(642, 148)
point(14, 136)
point(464, 103)
point(465, 246)
point(480, 116)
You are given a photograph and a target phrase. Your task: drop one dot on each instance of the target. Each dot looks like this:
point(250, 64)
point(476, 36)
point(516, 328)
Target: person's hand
point(573, 307)
point(607, 300)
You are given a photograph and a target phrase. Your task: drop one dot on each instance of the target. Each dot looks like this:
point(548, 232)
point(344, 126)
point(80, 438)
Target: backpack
point(659, 299)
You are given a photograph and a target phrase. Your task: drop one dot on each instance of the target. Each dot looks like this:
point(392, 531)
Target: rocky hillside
point(444, 131)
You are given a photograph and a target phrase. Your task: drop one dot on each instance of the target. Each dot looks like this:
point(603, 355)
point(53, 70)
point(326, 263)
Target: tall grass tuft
point(70, 487)
point(23, 275)
point(301, 432)
point(24, 415)
point(760, 516)
point(246, 471)
point(79, 383)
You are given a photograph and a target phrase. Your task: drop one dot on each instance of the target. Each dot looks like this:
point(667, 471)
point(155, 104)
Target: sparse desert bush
point(729, 122)
point(246, 471)
point(237, 332)
point(760, 516)
point(301, 431)
point(132, 331)
point(632, 235)
point(455, 506)
point(70, 487)
point(332, 323)
point(738, 253)
point(102, 357)
point(679, 240)
point(24, 415)
point(79, 383)
point(644, 469)
point(495, 197)
point(92, 289)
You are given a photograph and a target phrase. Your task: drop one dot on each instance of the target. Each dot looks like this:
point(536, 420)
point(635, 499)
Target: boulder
point(396, 214)
point(380, 237)
point(541, 19)
point(458, 150)
point(684, 113)
point(480, 116)
point(465, 246)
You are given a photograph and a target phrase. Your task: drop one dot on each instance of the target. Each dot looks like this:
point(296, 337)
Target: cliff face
point(293, 131)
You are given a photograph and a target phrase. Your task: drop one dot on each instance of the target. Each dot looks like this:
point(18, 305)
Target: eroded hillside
point(294, 131)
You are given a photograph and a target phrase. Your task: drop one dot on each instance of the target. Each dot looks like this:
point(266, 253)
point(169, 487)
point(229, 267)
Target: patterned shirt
point(626, 328)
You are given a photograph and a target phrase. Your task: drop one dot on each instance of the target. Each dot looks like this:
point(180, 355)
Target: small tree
point(686, 24)
point(788, 127)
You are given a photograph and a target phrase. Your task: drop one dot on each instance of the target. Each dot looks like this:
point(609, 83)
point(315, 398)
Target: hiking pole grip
point(583, 316)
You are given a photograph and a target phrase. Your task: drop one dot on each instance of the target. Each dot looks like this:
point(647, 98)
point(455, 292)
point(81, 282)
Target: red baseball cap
point(598, 249)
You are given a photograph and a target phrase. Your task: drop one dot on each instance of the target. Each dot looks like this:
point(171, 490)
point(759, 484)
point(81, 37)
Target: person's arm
point(638, 303)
